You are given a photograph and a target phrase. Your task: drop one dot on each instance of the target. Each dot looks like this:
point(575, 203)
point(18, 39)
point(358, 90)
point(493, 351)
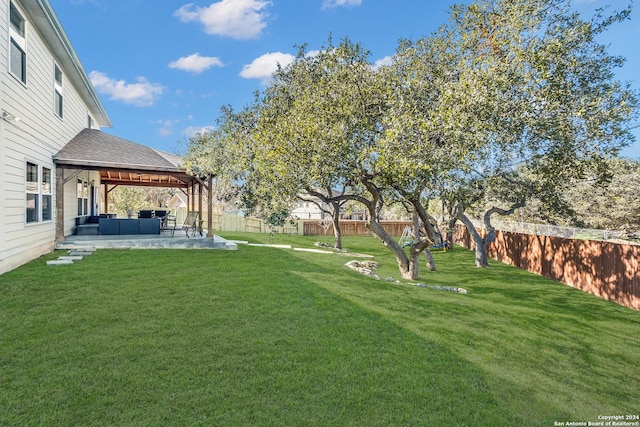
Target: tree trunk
point(420, 245)
point(490, 236)
point(407, 264)
point(408, 270)
point(431, 264)
point(482, 259)
point(335, 203)
point(481, 248)
point(451, 227)
point(335, 215)
point(414, 268)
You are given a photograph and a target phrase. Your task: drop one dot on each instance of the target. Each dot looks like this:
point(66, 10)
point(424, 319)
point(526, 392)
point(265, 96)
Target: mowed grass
point(265, 336)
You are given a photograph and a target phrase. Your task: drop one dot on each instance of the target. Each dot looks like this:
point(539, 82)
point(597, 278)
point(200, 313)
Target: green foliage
point(277, 219)
point(310, 133)
point(614, 204)
point(610, 202)
point(503, 83)
point(126, 199)
point(225, 150)
point(224, 153)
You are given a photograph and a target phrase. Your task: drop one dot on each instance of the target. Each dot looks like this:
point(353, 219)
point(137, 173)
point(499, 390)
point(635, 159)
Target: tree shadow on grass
point(535, 343)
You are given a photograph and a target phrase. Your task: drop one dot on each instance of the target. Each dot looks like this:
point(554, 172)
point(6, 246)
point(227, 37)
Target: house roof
point(121, 161)
point(42, 15)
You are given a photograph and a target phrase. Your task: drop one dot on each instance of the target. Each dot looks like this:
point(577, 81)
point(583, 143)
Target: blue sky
point(163, 68)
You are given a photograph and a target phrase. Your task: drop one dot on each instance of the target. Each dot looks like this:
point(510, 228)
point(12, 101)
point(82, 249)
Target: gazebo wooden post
point(59, 204)
point(106, 198)
point(209, 206)
point(200, 204)
point(193, 196)
point(186, 193)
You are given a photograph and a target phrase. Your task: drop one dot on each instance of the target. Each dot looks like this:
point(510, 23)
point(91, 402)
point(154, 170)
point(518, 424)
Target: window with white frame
point(38, 193)
point(18, 44)
point(32, 193)
point(45, 195)
point(57, 90)
point(83, 197)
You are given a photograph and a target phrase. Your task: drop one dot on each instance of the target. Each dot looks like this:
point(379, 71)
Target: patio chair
point(191, 223)
point(162, 215)
point(170, 223)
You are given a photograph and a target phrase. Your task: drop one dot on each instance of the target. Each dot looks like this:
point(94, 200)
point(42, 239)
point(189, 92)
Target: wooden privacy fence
point(352, 228)
point(250, 225)
point(608, 270)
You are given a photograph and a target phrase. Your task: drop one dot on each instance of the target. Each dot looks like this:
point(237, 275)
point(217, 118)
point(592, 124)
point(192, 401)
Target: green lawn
point(264, 336)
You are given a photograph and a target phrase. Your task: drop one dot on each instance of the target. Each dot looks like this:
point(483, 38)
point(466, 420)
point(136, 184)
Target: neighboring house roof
point(121, 161)
point(44, 18)
point(178, 200)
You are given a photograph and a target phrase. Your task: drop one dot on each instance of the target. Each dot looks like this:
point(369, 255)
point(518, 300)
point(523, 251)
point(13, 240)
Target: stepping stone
point(81, 249)
point(80, 253)
point(70, 258)
point(60, 262)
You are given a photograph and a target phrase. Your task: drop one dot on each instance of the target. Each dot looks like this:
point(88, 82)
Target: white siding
point(71, 197)
point(36, 137)
point(306, 210)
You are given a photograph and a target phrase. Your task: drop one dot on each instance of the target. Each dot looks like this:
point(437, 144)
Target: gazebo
point(122, 162)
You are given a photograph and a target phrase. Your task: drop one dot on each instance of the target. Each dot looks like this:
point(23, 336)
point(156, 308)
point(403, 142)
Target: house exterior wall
point(71, 196)
point(35, 137)
point(307, 210)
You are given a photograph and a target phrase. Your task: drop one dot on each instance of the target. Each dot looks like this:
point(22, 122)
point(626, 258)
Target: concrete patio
point(164, 240)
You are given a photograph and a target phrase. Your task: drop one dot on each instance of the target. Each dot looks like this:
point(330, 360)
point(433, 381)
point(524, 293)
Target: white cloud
point(141, 94)
point(264, 66)
point(191, 131)
point(238, 19)
point(387, 60)
point(195, 63)
point(328, 4)
point(166, 127)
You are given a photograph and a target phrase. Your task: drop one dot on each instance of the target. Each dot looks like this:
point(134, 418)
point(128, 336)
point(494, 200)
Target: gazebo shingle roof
point(96, 149)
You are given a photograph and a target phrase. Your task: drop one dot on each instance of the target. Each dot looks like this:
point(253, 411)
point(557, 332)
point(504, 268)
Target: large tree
point(305, 127)
point(321, 127)
point(505, 81)
point(225, 152)
point(527, 84)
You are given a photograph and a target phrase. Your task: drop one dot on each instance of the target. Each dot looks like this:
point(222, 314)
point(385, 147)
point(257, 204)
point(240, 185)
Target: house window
point(38, 193)
point(18, 45)
point(45, 193)
point(57, 90)
point(32, 192)
point(83, 197)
